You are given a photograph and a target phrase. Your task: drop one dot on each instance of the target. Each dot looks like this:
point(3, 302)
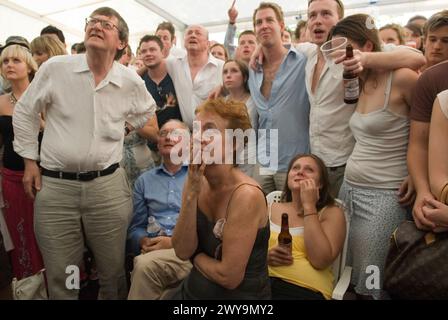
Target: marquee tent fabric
point(28, 17)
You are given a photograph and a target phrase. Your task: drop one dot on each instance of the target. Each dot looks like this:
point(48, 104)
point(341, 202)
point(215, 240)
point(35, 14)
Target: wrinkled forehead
point(197, 29)
point(172, 125)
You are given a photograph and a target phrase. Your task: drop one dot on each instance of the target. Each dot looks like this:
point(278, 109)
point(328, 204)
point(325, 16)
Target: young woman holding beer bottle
point(302, 270)
point(376, 187)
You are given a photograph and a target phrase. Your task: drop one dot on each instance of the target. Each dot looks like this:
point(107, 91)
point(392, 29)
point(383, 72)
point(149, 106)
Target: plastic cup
point(332, 50)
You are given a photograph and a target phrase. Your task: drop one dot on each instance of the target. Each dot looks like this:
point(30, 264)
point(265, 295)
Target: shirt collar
point(162, 169)
point(113, 75)
point(211, 59)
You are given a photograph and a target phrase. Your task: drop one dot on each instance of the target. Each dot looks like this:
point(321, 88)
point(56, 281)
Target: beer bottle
point(351, 81)
point(284, 237)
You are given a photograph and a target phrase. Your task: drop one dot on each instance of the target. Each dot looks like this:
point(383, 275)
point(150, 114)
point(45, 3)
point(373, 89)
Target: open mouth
point(319, 32)
point(96, 36)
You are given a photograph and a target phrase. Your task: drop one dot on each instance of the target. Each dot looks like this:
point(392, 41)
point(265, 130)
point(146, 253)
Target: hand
point(406, 192)
point(436, 212)
point(419, 217)
point(216, 92)
point(171, 100)
point(279, 256)
point(256, 59)
point(157, 243)
point(354, 65)
point(232, 13)
point(309, 193)
point(141, 71)
point(31, 178)
point(195, 169)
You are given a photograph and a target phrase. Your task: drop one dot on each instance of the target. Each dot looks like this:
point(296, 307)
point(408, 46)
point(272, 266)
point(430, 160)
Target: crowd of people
point(123, 157)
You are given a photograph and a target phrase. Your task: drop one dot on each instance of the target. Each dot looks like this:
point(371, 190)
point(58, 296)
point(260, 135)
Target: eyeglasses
point(104, 23)
point(173, 133)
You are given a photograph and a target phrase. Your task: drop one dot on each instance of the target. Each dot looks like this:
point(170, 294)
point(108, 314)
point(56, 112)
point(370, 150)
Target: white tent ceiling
point(28, 17)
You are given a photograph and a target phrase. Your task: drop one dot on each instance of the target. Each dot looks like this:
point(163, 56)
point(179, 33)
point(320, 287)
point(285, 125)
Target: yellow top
point(301, 272)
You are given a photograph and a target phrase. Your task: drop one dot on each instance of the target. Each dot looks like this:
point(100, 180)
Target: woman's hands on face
point(195, 169)
point(309, 193)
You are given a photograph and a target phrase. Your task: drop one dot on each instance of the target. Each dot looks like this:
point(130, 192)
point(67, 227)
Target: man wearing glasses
point(158, 193)
point(80, 187)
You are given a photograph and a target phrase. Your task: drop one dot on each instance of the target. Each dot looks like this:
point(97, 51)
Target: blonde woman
point(18, 68)
point(45, 47)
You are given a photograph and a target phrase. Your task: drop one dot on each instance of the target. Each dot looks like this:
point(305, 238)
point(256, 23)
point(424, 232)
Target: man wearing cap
point(80, 191)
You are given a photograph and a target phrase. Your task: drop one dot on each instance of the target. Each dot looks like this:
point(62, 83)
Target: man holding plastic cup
point(330, 135)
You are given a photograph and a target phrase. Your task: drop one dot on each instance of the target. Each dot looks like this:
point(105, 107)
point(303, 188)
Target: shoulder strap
point(233, 191)
point(388, 90)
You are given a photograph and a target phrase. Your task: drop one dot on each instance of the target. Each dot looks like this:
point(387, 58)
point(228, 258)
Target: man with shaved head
point(196, 74)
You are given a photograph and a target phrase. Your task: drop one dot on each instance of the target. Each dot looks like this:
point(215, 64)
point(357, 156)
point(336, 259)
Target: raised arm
point(324, 237)
point(400, 57)
point(231, 30)
point(185, 238)
point(247, 211)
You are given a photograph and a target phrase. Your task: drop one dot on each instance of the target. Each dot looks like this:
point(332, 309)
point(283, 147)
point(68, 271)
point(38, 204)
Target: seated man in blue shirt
point(157, 193)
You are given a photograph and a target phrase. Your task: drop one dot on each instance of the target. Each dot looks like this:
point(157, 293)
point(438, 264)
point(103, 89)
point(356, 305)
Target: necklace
point(12, 99)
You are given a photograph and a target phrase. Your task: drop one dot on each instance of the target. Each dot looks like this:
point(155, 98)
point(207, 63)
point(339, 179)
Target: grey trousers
point(269, 182)
point(103, 209)
point(335, 177)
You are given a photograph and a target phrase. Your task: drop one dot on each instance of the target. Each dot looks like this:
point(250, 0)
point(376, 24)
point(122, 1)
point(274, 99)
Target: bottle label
point(351, 89)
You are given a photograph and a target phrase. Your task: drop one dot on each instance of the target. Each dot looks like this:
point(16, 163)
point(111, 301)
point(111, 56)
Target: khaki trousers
point(103, 209)
point(155, 272)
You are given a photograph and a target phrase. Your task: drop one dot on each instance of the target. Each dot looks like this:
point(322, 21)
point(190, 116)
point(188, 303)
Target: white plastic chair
point(341, 272)
point(274, 196)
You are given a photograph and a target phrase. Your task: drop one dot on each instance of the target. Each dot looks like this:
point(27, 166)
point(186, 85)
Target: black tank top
point(255, 284)
point(11, 160)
